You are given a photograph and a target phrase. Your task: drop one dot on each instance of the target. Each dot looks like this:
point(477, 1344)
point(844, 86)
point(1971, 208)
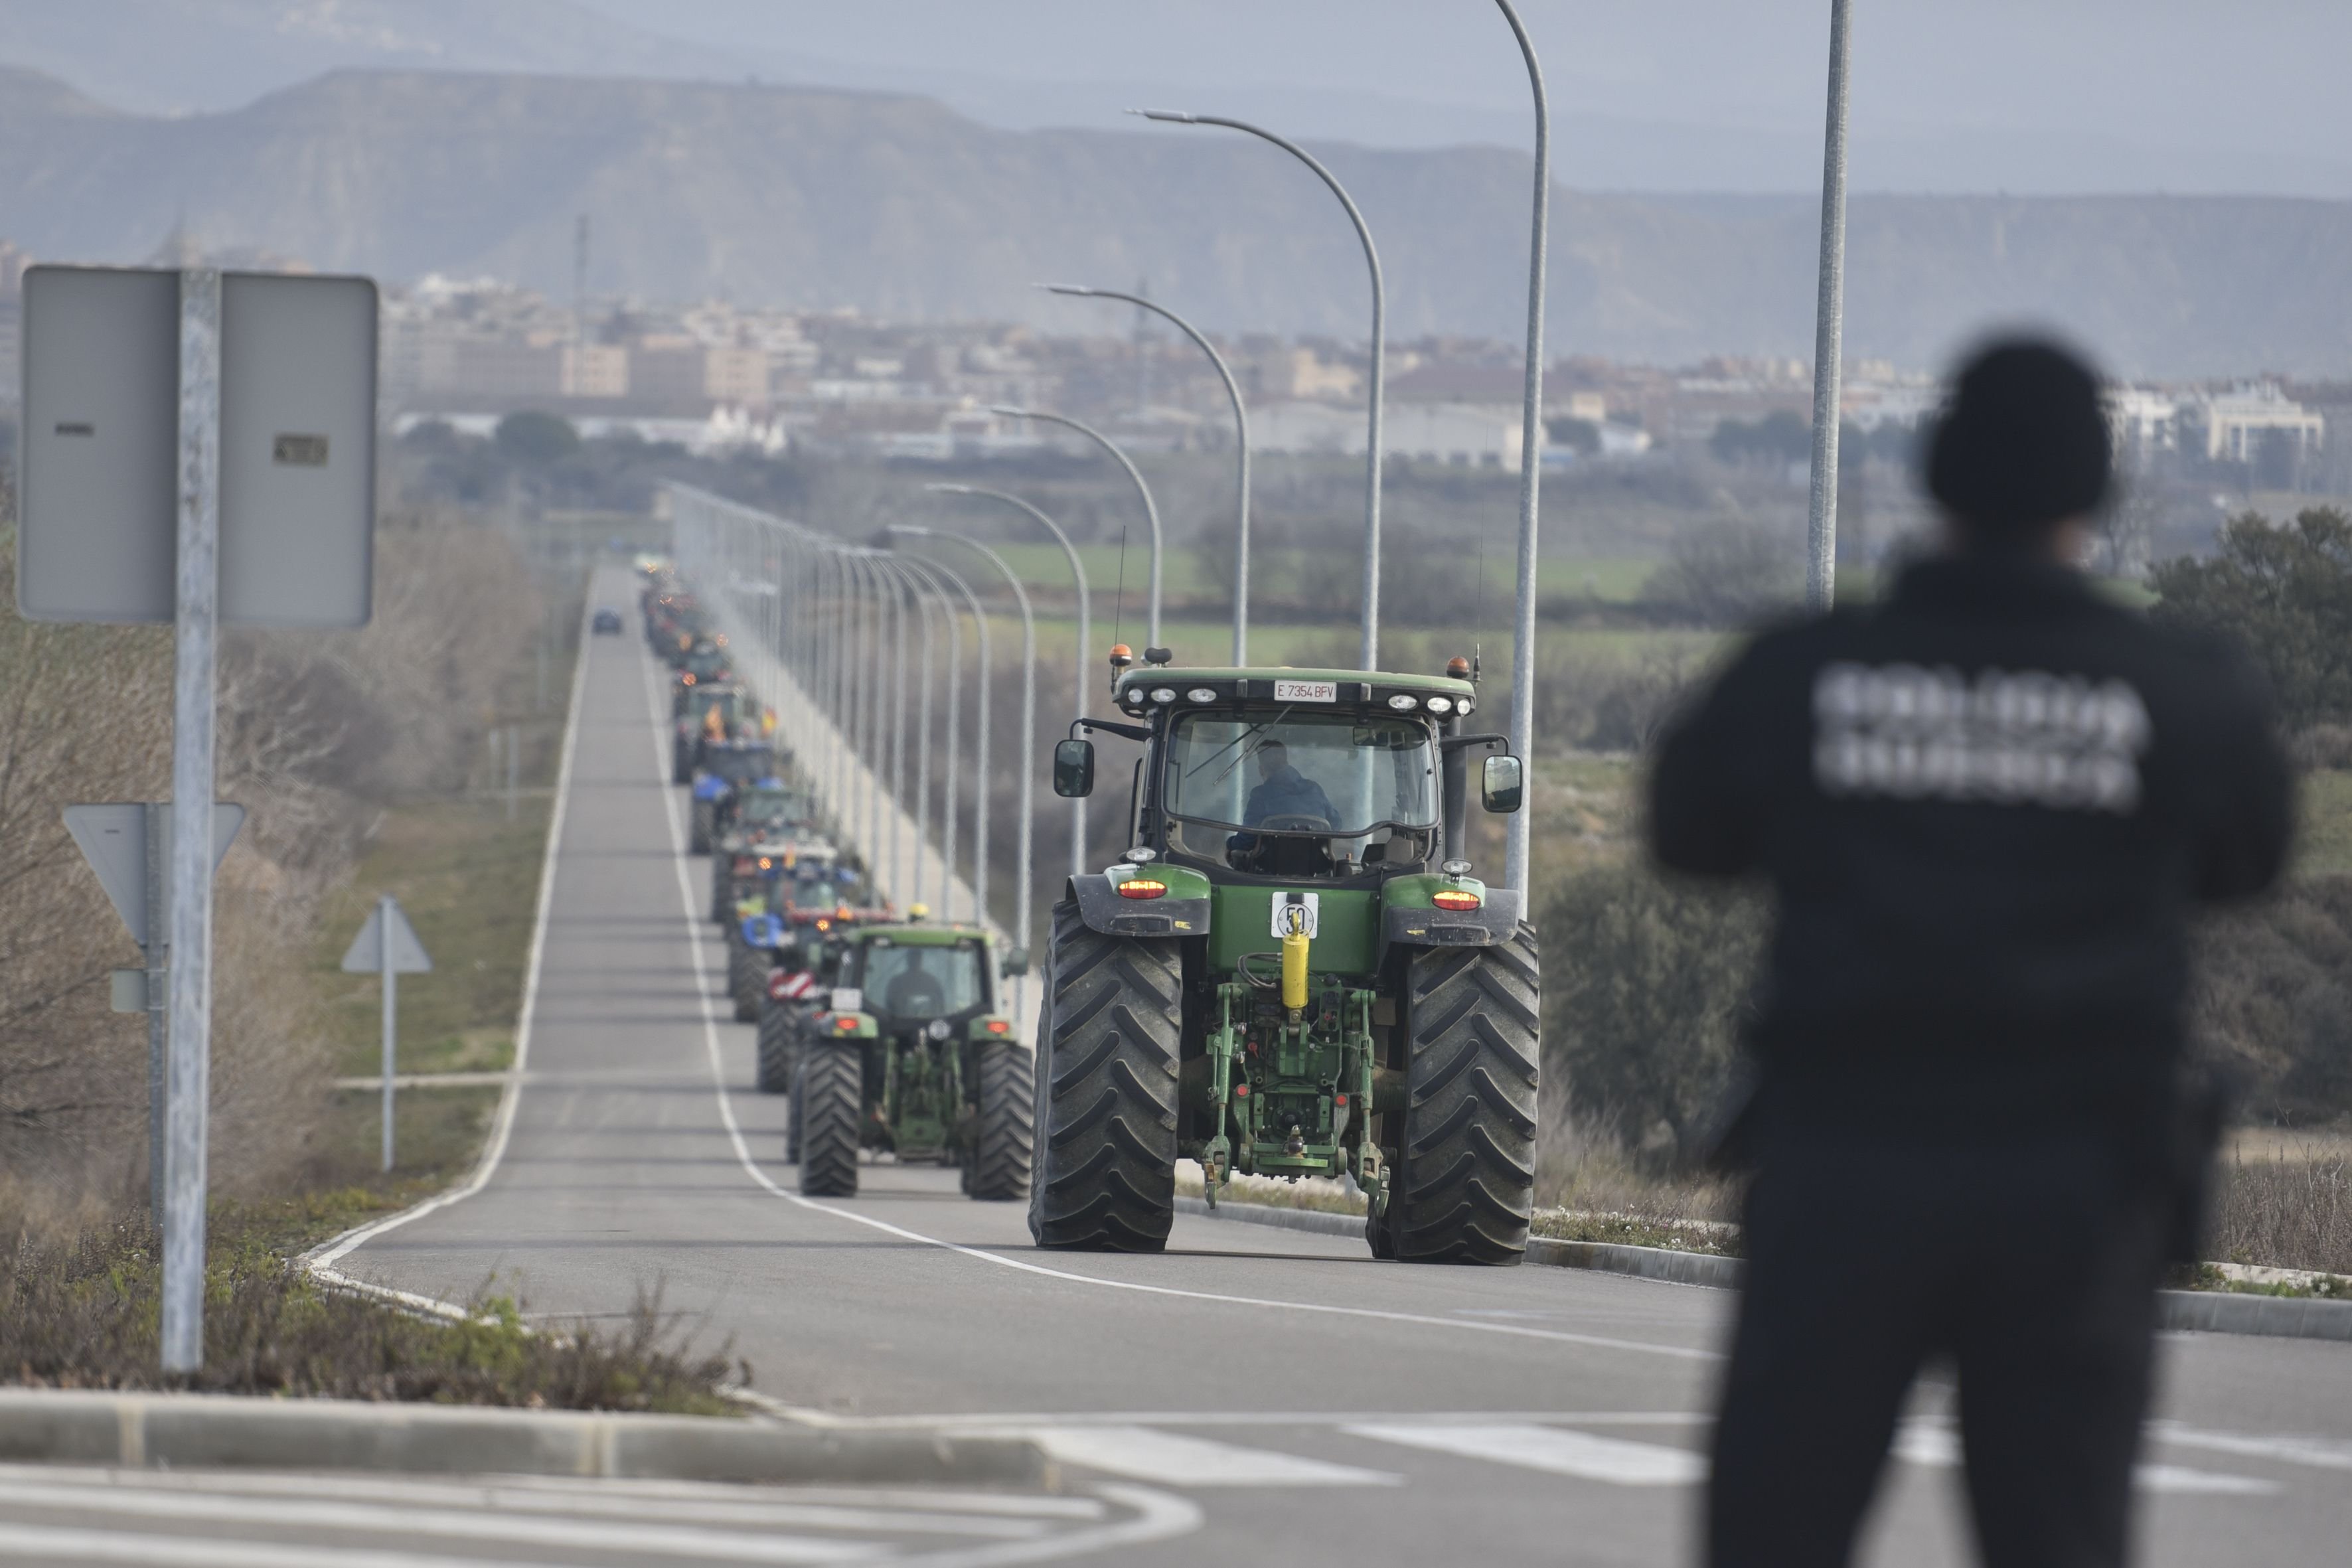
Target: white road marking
point(692, 911)
point(2318, 1453)
point(714, 1505)
point(601, 1536)
point(1005, 1419)
point(1553, 1449)
point(1157, 1516)
point(1938, 1444)
point(1176, 1460)
point(59, 1543)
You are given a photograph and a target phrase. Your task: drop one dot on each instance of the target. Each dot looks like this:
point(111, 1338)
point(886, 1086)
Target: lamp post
point(979, 814)
point(1085, 659)
point(1150, 506)
point(1370, 647)
point(1531, 440)
point(1829, 326)
point(1241, 460)
point(1026, 773)
point(939, 595)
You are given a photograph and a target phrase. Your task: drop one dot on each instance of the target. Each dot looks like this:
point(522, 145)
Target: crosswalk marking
point(1936, 1443)
point(1555, 1449)
point(2318, 1453)
point(1172, 1459)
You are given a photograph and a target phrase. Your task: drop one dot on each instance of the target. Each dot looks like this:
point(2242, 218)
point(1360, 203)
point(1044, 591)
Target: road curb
point(2178, 1311)
point(154, 1431)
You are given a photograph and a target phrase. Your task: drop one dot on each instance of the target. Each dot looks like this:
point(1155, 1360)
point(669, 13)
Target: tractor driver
point(1282, 790)
point(916, 991)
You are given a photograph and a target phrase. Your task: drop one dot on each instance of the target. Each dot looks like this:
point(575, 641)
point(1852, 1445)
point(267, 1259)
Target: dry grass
point(2284, 1212)
point(79, 1309)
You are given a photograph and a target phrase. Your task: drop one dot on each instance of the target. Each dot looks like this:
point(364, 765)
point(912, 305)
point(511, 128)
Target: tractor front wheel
point(828, 1096)
point(1463, 1180)
point(1105, 1125)
point(775, 1069)
point(996, 1167)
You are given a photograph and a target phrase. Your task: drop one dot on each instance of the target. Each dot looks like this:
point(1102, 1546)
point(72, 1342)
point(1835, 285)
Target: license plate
point(1307, 691)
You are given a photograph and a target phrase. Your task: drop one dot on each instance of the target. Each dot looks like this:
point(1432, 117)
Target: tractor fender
point(709, 787)
point(1183, 911)
point(1492, 924)
point(763, 932)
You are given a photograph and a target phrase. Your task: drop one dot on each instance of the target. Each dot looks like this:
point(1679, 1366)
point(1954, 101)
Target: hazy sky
point(2142, 94)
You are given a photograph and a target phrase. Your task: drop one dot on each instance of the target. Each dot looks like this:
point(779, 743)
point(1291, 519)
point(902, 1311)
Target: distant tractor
point(722, 767)
point(717, 710)
point(912, 1055)
point(1292, 972)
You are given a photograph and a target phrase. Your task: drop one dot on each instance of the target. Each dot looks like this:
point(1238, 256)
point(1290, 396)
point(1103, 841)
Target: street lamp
point(1083, 670)
point(979, 812)
point(1241, 447)
point(1026, 773)
point(1531, 440)
point(1151, 508)
point(936, 594)
point(1829, 326)
point(1369, 656)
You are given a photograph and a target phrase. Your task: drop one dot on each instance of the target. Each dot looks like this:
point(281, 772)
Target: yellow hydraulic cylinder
point(1293, 971)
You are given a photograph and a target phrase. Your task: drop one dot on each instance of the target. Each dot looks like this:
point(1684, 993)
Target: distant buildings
point(2248, 423)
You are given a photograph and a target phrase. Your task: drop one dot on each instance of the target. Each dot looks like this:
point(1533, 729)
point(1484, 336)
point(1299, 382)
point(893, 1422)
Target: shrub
point(1646, 978)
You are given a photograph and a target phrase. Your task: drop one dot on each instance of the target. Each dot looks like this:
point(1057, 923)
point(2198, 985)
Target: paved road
point(1316, 1406)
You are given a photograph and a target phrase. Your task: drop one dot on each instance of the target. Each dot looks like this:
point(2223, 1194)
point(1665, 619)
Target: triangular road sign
point(366, 954)
point(113, 839)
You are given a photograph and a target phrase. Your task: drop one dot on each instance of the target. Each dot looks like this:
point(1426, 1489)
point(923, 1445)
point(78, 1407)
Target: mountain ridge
point(820, 197)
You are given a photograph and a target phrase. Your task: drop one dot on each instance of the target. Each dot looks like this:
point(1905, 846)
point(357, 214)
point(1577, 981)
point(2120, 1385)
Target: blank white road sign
point(98, 472)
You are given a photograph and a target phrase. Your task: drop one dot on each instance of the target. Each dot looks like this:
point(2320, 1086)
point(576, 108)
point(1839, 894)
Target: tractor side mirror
point(1502, 785)
point(1015, 964)
point(1074, 769)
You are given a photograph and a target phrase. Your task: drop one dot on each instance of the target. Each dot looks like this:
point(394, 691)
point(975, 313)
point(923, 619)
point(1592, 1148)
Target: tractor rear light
point(688, 679)
point(999, 1026)
point(765, 863)
point(1241, 1091)
point(845, 1026)
point(1455, 898)
point(1143, 888)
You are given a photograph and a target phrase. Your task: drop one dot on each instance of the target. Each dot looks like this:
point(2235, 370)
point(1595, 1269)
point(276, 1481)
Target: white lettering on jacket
point(2006, 738)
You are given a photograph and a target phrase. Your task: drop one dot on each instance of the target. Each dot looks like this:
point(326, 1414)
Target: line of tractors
point(1289, 971)
point(886, 1028)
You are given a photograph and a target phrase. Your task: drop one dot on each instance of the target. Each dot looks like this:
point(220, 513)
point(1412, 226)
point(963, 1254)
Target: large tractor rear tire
point(1105, 1124)
point(681, 764)
point(698, 837)
point(1464, 1181)
point(774, 1075)
point(829, 1098)
point(747, 977)
point(997, 1170)
point(722, 883)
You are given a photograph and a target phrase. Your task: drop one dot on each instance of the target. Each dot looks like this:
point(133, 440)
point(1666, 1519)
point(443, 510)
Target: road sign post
point(387, 945)
point(129, 848)
point(196, 448)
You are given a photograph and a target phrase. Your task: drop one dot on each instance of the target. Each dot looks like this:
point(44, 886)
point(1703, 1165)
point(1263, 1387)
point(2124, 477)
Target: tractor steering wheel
point(1295, 822)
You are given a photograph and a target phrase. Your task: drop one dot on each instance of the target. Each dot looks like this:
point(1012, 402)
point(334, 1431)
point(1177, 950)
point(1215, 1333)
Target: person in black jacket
point(1988, 806)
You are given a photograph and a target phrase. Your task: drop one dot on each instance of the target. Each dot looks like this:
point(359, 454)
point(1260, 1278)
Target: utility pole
point(1829, 327)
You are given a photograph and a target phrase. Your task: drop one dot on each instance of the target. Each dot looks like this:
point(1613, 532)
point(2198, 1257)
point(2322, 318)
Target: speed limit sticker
point(1307, 691)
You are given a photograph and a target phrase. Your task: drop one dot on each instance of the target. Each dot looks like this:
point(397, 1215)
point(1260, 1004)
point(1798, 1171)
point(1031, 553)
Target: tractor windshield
point(903, 981)
point(741, 764)
point(767, 807)
point(1234, 779)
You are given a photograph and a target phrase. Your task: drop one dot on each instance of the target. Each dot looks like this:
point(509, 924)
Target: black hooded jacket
point(1987, 808)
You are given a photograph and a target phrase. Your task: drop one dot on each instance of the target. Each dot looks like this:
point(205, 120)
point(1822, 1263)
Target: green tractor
point(1292, 973)
point(913, 1055)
